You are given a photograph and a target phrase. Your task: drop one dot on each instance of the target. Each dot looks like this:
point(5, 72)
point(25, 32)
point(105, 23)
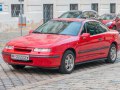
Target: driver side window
point(91, 28)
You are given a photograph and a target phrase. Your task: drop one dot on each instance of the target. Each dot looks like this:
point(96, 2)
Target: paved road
point(10, 78)
point(106, 77)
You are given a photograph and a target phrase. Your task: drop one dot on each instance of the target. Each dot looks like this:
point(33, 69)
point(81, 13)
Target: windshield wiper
point(44, 33)
point(37, 32)
point(50, 33)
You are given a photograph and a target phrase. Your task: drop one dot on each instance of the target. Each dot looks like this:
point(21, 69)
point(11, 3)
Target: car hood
point(38, 40)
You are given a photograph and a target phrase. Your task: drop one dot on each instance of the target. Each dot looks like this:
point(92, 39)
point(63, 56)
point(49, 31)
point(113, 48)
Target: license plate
point(20, 57)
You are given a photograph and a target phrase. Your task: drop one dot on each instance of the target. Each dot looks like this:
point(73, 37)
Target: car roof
point(80, 11)
point(74, 19)
point(110, 14)
point(73, 11)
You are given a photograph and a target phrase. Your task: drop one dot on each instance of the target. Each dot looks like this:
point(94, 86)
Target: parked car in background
point(80, 14)
point(62, 43)
point(112, 21)
point(117, 20)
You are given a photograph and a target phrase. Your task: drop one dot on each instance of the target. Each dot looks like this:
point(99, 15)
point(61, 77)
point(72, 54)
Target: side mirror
point(85, 35)
point(31, 31)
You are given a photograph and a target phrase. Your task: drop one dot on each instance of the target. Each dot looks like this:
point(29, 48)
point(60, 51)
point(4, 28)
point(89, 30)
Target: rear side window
point(101, 28)
point(94, 28)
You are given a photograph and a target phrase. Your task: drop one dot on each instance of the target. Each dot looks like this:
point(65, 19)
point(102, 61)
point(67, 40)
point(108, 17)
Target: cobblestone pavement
point(95, 77)
point(10, 78)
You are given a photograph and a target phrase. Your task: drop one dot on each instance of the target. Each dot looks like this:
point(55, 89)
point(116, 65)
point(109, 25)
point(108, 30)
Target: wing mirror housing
point(85, 35)
point(31, 31)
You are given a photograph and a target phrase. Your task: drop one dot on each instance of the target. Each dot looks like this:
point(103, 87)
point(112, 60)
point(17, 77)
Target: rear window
point(71, 15)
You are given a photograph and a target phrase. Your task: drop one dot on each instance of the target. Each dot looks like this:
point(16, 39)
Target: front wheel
point(18, 66)
point(112, 55)
point(67, 63)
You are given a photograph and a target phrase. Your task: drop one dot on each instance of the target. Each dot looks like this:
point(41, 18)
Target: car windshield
point(107, 17)
point(59, 27)
point(71, 15)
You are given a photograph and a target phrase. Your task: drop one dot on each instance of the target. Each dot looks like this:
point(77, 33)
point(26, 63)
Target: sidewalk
point(106, 77)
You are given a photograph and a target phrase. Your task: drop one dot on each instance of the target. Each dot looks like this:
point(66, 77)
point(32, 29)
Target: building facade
point(37, 10)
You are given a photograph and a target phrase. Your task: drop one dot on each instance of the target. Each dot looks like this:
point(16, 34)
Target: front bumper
point(35, 60)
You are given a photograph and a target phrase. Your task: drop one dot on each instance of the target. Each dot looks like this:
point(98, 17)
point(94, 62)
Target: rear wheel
point(112, 55)
point(114, 28)
point(18, 66)
point(67, 63)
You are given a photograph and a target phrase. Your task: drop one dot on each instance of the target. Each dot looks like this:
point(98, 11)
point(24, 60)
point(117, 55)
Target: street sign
point(22, 22)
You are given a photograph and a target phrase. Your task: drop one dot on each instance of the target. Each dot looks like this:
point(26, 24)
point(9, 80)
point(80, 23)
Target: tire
point(114, 28)
point(67, 65)
point(18, 66)
point(112, 55)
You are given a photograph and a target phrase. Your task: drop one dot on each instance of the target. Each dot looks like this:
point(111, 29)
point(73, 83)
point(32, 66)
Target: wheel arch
point(115, 43)
point(71, 49)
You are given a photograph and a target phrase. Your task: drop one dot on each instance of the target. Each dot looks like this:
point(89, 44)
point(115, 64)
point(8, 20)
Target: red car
point(112, 21)
point(109, 20)
point(63, 43)
point(117, 20)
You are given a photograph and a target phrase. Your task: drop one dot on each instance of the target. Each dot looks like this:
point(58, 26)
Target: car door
point(92, 47)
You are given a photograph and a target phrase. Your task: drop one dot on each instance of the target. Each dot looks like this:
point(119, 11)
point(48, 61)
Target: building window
point(0, 7)
point(15, 10)
point(94, 6)
point(47, 12)
point(73, 6)
point(112, 8)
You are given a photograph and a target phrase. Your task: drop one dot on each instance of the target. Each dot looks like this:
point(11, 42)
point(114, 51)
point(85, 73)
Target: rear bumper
point(35, 60)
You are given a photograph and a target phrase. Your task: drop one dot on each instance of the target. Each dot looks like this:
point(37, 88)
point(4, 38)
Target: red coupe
point(109, 20)
point(112, 21)
point(63, 43)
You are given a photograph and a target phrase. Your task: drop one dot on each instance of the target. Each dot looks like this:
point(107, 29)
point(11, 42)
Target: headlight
point(9, 47)
point(110, 23)
point(41, 50)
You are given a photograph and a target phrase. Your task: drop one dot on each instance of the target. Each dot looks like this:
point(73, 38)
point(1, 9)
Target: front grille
point(21, 61)
point(22, 49)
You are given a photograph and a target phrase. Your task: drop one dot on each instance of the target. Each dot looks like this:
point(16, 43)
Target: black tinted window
point(101, 28)
point(95, 28)
point(71, 15)
point(107, 17)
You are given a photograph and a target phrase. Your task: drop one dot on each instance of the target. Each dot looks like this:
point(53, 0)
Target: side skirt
point(101, 59)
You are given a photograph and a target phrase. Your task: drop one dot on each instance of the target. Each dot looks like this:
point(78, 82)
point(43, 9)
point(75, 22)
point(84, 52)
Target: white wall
point(34, 8)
